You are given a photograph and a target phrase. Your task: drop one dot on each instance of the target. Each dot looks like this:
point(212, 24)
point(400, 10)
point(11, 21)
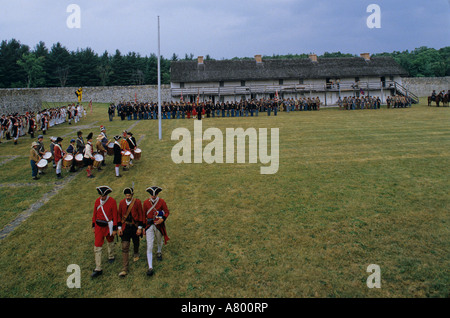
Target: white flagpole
point(159, 84)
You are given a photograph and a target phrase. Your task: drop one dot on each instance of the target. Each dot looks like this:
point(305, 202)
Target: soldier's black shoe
point(159, 256)
point(150, 272)
point(96, 273)
point(111, 260)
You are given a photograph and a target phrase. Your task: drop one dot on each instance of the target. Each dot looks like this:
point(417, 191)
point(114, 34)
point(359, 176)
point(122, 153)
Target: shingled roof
point(245, 70)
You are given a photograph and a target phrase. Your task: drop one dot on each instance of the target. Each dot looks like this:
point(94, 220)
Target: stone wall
point(25, 99)
point(424, 86)
point(19, 100)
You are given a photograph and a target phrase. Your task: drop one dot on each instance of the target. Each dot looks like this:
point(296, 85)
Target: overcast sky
point(231, 28)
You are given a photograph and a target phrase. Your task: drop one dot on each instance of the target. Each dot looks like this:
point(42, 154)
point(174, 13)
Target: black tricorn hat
point(104, 190)
point(128, 191)
point(59, 139)
point(153, 190)
point(117, 137)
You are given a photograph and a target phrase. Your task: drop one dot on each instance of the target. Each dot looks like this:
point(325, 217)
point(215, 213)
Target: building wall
point(328, 98)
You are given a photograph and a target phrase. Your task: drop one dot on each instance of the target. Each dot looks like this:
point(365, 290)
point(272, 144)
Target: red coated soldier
point(130, 226)
point(155, 214)
point(104, 225)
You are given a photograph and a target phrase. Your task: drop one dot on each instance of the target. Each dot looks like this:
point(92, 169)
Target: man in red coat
point(130, 222)
point(155, 213)
point(104, 225)
point(58, 153)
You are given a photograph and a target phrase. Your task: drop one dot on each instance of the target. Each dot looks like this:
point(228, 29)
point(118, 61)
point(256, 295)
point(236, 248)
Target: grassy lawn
point(353, 188)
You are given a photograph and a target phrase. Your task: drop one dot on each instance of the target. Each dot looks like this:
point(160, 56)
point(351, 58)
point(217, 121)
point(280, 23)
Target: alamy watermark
point(74, 279)
point(374, 279)
point(74, 19)
point(213, 152)
point(374, 20)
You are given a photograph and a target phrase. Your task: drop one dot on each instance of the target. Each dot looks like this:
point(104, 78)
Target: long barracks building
point(327, 78)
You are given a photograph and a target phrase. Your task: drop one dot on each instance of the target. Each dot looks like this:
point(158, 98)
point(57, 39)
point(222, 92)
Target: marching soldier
point(104, 225)
point(155, 214)
point(31, 125)
point(130, 222)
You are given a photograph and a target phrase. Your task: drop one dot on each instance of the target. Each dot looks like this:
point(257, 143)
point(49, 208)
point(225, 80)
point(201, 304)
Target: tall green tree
point(58, 66)
point(84, 64)
point(104, 69)
point(11, 74)
point(34, 69)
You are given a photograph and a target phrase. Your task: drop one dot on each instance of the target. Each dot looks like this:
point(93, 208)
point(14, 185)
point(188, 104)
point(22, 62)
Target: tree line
point(22, 66)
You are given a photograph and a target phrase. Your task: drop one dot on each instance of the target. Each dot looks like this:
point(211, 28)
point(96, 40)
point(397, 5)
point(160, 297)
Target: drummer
point(71, 150)
point(104, 142)
point(41, 149)
point(100, 149)
point(80, 142)
point(124, 143)
point(132, 144)
point(88, 158)
point(52, 149)
point(124, 146)
point(117, 155)
point(58, 156)
point(34, 159)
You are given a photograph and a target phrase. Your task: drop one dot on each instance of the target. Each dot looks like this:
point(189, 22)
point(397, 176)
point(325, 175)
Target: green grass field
point(353, 188)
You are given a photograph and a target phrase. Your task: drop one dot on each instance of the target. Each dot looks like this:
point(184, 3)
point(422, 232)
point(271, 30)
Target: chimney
point(258, 59)
point(365, 56)
point(313, 57)
point(200, 60)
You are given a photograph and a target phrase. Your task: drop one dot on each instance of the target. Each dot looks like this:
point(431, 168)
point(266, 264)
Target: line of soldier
point(130, 220)
point(182, 110)
point(13, 126)
point(352, 103)
point(398, 101)
point(373, 102)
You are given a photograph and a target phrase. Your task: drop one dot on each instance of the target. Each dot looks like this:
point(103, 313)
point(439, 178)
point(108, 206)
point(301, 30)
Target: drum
point(137, 153)
point(126, 156)
point(110, 149)
point(68, 160)
point(79, 160)
point(98, 160)
point(47, 156)
point(42, 164)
